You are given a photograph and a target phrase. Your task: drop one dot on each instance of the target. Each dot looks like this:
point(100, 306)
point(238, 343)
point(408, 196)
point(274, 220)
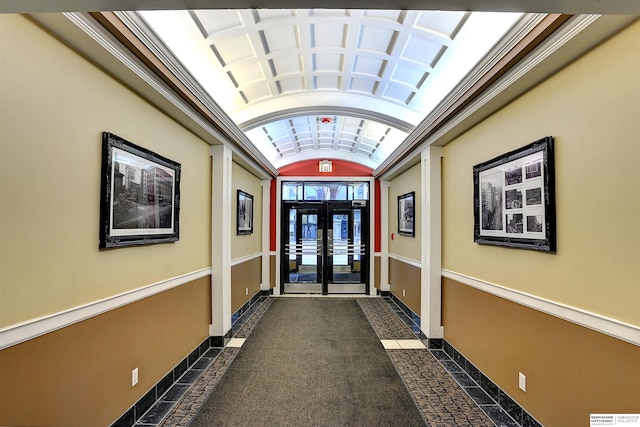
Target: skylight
point(318, 83)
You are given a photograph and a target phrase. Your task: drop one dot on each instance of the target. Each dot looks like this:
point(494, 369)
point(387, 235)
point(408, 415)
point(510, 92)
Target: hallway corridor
point(443, 392)
point(489, 226)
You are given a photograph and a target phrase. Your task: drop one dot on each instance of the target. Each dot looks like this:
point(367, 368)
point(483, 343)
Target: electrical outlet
point(522, 381)
point(403, 293)
point(134, 377)
point(246, 291)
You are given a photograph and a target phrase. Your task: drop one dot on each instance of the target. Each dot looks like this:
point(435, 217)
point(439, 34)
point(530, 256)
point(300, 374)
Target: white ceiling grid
point(320, 83)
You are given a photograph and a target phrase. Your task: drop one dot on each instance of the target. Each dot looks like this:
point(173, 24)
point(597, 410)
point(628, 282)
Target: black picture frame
point(244, 213)
point(514, 198)
point(140, 195)
point(407, 214)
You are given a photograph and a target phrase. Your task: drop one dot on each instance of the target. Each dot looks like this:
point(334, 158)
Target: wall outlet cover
point(522, 381)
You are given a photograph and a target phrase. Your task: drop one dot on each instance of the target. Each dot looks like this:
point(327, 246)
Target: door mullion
point(325, 248)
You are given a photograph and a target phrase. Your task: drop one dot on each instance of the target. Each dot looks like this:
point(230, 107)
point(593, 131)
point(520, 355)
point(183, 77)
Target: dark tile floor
point(488, 405)
point(181, 402)
point(213, 363)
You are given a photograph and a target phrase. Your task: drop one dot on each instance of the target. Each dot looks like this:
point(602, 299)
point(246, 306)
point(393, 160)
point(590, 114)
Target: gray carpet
point(311, 362)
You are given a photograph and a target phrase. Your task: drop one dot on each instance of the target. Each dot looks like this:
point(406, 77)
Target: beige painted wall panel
point(246, 244)
point(272, 271)
point(81, 375)
point(408, 247)
point(571, 371)
point(53, 109)
point(376, 272)
point(245, 282)
point(591, 108)
point(403, 276)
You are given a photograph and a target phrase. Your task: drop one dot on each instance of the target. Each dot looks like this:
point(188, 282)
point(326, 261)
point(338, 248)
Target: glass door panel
point(301, 268)
point(340, 241)
point(341, 258)
point(346, 253)
point(308, 255)
point(324, 247)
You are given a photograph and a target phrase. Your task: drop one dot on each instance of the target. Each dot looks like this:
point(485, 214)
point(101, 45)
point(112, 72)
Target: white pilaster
point(276, 289)
point(431, 218)
point(221, 226)
point(384, 236)
point(266, 235)
point(372, 235)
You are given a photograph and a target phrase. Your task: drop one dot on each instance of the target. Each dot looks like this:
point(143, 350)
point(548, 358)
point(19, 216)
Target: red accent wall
point(311, 168)
point(341, 168)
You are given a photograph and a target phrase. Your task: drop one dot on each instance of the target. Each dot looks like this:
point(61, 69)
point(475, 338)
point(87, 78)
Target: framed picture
point(244, 217)
point(140, 195)
point(406, 214)
point(514, 198)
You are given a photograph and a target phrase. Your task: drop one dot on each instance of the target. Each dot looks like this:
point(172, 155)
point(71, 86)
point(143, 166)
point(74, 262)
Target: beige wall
point(272, 271)
point(247, 244)
point(375, 281)
point(404, 281)
point(408, 247)
point(245, 282)
point(591, 109)
point(81, 375)
point(53, 109)
point(571, 371)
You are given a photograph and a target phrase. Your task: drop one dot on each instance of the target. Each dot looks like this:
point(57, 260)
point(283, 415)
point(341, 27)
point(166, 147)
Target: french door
point(324, 247)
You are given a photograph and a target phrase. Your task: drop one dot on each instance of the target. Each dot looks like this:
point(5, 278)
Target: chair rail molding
point(597, 322)
point(24, 331)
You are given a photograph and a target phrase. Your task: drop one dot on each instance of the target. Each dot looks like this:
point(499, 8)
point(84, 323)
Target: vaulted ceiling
point(363, 85)
point(318, 83)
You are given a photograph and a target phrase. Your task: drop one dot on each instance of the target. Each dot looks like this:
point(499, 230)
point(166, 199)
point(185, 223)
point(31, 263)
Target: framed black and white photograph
point(406, 214)
point(514, 198)
point(140, 195)
point(244, 217)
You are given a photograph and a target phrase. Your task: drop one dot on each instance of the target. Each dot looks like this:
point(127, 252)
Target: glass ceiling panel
point(380, 72)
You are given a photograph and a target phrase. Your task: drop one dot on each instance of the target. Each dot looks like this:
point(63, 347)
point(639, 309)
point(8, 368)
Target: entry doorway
point(325, 247)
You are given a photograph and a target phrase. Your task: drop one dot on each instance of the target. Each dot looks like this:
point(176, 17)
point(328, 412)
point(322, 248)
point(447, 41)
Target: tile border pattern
point(177, 398)
point(164, 397)
point(437, 395)
point(411, 319)
point(502, 409)
point(163, 386)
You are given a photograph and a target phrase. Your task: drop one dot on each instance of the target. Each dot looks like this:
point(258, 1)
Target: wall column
point(276, 289)
point(384, 236)
point(221, 225)
point(431, 219)
point(265, 285)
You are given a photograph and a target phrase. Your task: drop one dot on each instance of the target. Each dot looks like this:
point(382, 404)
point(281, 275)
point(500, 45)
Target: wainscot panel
point(405, 277)
point(81, 375)
point(272, 271)
point(376, 272)
point(245, 281)
point(571, 371)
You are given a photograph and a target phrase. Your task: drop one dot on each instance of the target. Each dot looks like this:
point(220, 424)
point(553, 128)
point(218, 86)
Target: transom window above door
point(329, 190)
